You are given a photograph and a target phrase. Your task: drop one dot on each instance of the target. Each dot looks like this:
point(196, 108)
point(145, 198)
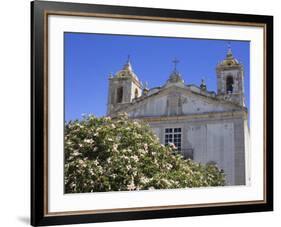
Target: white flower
point(142, 151)
point(166, 181)
point(145, 146)
point(92, 172)
point(131, 186)
point(115, 147)
point(88, 140)
point(136, 123)
point(135, 158)
point(96, 162)
point(76, 153)
point(99, 168)
point(172, 145)
point(144, 180)
point(169, 166)
point(82, 163)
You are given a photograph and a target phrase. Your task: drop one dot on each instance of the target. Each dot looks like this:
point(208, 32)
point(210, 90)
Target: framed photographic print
point(142, 113)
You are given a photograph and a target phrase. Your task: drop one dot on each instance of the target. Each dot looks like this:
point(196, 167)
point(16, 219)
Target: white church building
point(206, 126)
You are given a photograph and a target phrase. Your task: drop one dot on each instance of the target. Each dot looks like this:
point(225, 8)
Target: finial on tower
point(229, 51)
point(128, 65)
point(203, 85)
point(175, 61)
point(129, 59)
point(145, 85)
point(145, 88)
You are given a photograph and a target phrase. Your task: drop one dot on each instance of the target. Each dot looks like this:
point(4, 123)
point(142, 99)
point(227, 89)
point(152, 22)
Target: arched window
point(119, 94)
point(136, 93)
point(229, 84)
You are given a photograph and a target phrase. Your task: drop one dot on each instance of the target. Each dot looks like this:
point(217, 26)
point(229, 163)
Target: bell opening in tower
point(119, 94)
point(229, 84)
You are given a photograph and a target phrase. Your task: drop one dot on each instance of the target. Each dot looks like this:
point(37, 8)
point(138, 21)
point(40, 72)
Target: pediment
point(176, 100)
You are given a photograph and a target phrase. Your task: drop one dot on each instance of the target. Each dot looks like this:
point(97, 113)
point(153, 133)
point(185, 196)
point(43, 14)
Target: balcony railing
point(187, 153)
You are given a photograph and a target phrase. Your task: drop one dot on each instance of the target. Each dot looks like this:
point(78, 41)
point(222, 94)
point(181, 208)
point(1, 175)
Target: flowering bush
point(104, 154)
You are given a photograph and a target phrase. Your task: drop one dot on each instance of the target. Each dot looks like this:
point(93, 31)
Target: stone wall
point(219, 141)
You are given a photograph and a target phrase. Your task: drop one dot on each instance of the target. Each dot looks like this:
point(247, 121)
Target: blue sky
point(90, 58)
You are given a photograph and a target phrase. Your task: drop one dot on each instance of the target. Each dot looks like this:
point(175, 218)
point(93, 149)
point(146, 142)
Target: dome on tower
point(127, 71)
point(229, 60)
point(175, 76)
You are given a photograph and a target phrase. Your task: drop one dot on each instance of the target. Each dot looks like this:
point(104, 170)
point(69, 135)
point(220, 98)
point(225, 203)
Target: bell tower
point(230, 79)
point(124, 87)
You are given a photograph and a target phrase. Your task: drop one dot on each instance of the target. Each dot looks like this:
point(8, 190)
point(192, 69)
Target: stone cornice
point(207, 116)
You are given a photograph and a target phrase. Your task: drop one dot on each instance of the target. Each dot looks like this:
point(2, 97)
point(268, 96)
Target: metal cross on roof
point(175, 61)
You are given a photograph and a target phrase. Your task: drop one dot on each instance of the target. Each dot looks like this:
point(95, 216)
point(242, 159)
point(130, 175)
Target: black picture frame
point(39, 121)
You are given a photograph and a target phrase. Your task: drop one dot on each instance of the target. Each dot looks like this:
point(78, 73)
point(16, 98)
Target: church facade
point(206, 126)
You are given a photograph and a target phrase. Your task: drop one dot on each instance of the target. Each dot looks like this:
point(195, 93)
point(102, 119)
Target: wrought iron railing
point(187, 153)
